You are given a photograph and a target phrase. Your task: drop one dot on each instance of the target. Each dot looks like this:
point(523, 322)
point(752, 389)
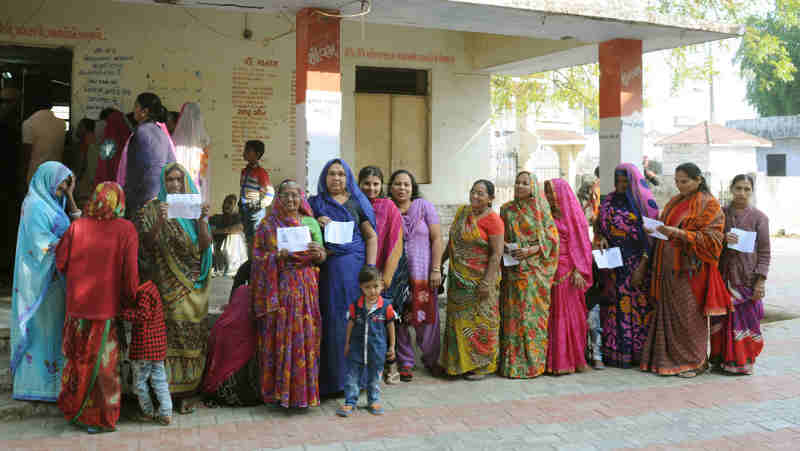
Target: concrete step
point(13, 410)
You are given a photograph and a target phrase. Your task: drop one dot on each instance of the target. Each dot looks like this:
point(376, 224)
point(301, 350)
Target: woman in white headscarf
point(191, 146)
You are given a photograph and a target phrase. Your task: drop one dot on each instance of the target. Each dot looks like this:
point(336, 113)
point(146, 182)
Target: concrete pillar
point(621, 121)
point(318, 94)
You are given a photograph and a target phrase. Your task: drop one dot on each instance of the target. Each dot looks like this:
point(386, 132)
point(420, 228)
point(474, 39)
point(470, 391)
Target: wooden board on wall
point(373, 132)
point(410, 136)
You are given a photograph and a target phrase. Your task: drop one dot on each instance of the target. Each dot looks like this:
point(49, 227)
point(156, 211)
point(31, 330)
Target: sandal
point(406, 375)
point(184, 408)
point(687, 374)
point(474, 377)
point(345, 411)
point(390, 375)
point(164, 420)
point(376, 409)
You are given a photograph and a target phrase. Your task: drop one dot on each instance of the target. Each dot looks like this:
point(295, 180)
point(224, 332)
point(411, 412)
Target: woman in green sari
point(177, 257)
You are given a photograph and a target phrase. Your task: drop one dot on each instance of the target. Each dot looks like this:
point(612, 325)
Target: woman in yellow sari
point(471, 335)
point(177, 258)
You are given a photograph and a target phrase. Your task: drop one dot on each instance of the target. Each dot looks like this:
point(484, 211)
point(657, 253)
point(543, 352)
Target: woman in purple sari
point(619, 224)
point(422, 252)
point(339, 199)
point(736, 338)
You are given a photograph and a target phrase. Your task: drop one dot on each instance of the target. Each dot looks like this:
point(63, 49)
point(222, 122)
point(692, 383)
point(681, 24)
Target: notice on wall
point(103, 68)
point(251, 94)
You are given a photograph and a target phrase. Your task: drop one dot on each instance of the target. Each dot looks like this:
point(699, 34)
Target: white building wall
point(675, 155)
point(727, 162)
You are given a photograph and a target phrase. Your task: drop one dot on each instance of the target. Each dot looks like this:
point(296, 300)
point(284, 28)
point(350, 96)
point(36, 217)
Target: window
point(776, 165)
point(392, 120)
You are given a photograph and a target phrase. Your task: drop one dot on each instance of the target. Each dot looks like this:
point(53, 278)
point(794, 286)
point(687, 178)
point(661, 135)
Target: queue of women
point(281, 339)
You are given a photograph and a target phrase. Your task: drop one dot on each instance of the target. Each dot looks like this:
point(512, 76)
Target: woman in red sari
point(98, 256)
point(686, 284)
point(566, 346)
point(285, 291)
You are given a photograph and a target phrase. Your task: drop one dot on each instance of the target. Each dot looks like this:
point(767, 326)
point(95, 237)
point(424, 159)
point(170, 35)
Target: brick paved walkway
point(612, 409)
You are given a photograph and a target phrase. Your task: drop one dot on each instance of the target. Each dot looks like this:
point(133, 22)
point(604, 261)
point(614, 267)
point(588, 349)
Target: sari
point(736, 338)
point(115, 135)
point(91, 389)
point(338, 279)
point(473, 322)
point(389, 224)
point(191, 146)
point(525, 291)
point(149, 149)
point(567, 327)
point(180, 270)
point(38, 296)
point(626, 321)
point(422, 313)
point(677, 339)
point(286, 307)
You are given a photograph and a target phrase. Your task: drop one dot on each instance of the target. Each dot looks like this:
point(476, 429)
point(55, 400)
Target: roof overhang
point(579, 25)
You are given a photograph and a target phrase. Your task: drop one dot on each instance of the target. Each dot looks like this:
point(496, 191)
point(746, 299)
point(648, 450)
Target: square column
point(318, 94)
point(621, 120)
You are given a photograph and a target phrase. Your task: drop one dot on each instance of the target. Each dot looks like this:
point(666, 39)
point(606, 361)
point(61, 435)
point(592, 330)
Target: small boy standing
point(148, 350)
point(256, 191)
point(370, 321)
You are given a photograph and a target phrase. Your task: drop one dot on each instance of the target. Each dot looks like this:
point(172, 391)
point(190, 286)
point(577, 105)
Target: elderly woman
point(340, 199)
point(177, 253)
point(685, 283)
point(620, 224)
point(567, 325)
point(473, 318)
point(422, 250)
point(391, 261)
point(285, 301)
point(736, 338)
point(98, 255)
point(37, 300)
point(532, 239)
point(149, 149)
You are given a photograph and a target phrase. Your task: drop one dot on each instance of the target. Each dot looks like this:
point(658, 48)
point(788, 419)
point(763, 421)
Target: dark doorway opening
point(30, 77)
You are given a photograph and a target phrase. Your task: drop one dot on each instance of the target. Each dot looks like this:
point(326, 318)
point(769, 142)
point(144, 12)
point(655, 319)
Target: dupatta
point(264, 280)
point(528, 222)
point(191, 138)
point(469, 251)
point(42, 224)
point(324, 205)
point(117, 134)
point(579, 248)
point(390, 224)
point(181, 267)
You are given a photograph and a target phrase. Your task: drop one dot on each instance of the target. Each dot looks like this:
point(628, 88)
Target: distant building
point(720, 152)
point(783, 159)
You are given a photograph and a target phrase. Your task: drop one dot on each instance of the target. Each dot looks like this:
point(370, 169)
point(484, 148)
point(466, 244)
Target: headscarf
point(190, 138)
point(107, 202)
point(389, 227)
point(187, 225)
point(572, 217)
point(264, 279)
point(42, 224)
point(324, 205)
point(529, 221)
point(115, 134)
point(640, 199)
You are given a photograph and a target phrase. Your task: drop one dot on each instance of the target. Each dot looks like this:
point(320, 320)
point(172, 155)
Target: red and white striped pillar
point(621, 120)
point(318, 93)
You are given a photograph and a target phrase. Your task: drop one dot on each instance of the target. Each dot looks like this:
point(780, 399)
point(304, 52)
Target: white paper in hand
point(747, 241)
point(186, 206)
point(508, 260)
point(608, 259)
point(339, 232)
point(294, 239)
point(654, 224)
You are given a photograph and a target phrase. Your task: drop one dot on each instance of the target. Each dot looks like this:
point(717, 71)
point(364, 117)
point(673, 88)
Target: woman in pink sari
point(389, 224)
point(568, 328)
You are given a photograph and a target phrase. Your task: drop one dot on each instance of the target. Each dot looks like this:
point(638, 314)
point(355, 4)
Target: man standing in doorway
point(42, 138)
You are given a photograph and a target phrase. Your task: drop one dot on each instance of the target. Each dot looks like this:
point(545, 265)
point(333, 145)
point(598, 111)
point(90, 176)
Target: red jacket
point(99, 261)
point(149, 333)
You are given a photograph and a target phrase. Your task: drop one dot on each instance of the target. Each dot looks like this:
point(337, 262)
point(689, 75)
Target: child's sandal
point(406, 375)
point(345, 411)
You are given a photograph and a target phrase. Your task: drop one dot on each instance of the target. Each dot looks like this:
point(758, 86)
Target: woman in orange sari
point(686, 284)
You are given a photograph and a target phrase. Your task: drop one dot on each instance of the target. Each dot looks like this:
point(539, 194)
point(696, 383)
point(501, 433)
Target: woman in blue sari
point(339, 199)
point(38, 300)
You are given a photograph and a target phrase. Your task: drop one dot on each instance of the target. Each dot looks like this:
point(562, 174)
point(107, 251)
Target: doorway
point(30, 77)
